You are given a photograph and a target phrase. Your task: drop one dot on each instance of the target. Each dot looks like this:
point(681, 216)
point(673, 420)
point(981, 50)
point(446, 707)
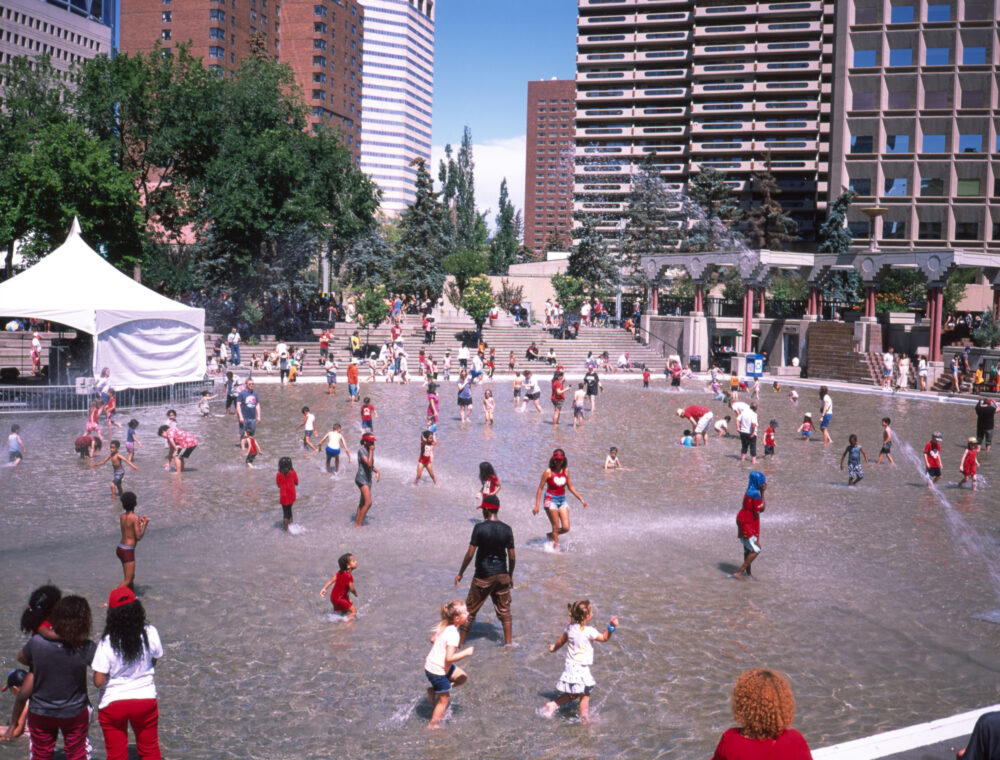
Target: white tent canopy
point(144, 338)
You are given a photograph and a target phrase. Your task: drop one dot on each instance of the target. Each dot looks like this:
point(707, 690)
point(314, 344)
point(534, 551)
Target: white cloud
point(494, 161)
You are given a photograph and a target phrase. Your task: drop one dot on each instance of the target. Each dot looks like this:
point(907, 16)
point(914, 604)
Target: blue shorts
point(440, 684)
point(750, 545)
point(367, 425)
point(826, 421)
point(553, 501)
point(352, 389)
point(331, 378)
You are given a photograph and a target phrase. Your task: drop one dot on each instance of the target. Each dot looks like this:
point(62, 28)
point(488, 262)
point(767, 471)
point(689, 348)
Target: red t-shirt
point(932, 455)
point(748, 518)
point(367, 412)
point(558, 390)
point(341, 584)
point(695, 412)
point(254, 448)
point(790, 745)
point(645, 376)
point(352, 374)
point(286, 487)
point(324, 341)
point(769, 436)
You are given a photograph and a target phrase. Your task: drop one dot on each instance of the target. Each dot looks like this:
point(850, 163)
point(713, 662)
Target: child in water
point(286, 479)
point(343, 586)
point(203, 405)
point(15, 446)
point(439, 667)
point(117, 468)
point(722, 426)
point(576, 681)
point(932, 459)
point(308, 427)
point(853, 454)
point(748, 521)
point(131, 441)
point(611, 461)
point(334, 443)
point(555, 483)
point(489, 406)
point(769, 439)
point(806, 428)
point(687, 439)
point(886, 442)
point(426, 458)
point(250, 448)
point(969, 463)
point(487, 495)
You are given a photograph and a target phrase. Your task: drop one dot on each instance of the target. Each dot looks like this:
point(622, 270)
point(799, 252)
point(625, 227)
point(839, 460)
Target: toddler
point(612, 462)
point(806, 428)
point(343, 586)
point(969, 463)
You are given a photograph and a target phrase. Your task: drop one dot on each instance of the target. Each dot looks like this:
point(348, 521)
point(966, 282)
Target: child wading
point(343, 586)
point(576, 681)
point(932, 459)
point(853, 454)
point(363, 478)
point(439, 667)
point(748, 521)
point(118, 463)
point(286, 479)
point(334, 443)
point(555, 482)
point(426, 458)
point(886, 442)
point(969, 463)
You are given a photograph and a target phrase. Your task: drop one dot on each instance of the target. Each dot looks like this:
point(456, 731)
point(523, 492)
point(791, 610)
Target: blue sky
point(486, 52)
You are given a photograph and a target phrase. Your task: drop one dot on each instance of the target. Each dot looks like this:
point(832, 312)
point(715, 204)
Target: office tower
point(67, 32)
point(918, 127)
point(320, 40)
point(398, 96)
point(704, 85)
point(548, 169)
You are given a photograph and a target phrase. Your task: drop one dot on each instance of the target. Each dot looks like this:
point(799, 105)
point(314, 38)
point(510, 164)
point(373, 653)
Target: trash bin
point(694, 363)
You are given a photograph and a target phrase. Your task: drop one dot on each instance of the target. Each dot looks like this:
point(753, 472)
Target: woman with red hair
point(764, 707)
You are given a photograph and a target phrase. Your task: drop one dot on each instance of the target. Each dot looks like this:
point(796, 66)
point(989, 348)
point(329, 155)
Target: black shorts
point(534, 396)
point(230, 402)
point(464, 401)
point(675, 381)
point(185, 453)
point(286, 511)
point(985, 437)
point(886, 448)
point(517, 393)
point(769, 450)
point(934, 472)
point(748, 443)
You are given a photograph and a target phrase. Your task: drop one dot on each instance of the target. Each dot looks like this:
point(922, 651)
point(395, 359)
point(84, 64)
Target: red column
point(932, 320)
point(699, 297)
point(654, 300)
point(747, 317)
point(870, 301)
point(938, 308)
point(763, 294)
point(811, 300)
point(819, 303)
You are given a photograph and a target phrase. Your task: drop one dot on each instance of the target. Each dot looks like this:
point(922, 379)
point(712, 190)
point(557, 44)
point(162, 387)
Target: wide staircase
point(830, 354)
point(15, 351)
point(505, 337)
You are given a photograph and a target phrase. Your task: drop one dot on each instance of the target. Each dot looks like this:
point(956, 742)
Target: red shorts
point(424, 461)
point(343, 604)
point(125, 554)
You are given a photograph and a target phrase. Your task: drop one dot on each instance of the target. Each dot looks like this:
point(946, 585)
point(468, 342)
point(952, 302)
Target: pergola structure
point(756, 268)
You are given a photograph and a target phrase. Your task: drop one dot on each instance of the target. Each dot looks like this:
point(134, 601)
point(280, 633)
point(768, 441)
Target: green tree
point(556, 241)
point(988, 334)
point(369, 261)
point(590, 260)
point(425, 239)
point(477, 300)
point(833, 234)
point(458, 193)
point(899, 288)
point(788, 287)
point(371, 309)
point(503, 247)
point(715, 212)
point(464, 266)
point(570, 291)
point(768, 225)
point(652, 224)
point(954, 288)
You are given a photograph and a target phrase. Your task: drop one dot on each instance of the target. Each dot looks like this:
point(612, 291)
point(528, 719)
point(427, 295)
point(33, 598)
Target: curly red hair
point(763, 703)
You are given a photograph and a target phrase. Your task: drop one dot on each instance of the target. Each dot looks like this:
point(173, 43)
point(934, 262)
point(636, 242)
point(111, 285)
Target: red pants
point(45, 730)
point(144, 715)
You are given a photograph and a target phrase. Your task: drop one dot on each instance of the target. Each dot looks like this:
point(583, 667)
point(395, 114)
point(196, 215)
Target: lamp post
point(873, 213)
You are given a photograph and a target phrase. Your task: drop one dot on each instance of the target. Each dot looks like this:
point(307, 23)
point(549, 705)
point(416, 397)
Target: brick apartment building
point(548, 171)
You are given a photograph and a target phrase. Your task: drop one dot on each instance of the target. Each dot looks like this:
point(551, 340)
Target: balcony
point(797, 106)
point(716, 70)
point(659, 112)
point(724, 31)
point(676, 131)
point(727, 146)
point(790, 29)
point(790, 8)
point(722, 89)
point(721, 109)
point(734, 165)
point(604, 40)
point(799, 48)
point(654, 93)
point(654, 75)
point(604, 77)
point(725, 50)
point(664, 38)
point(785, 146)
point(660, 56)
point(737, 125)
point(603, 114)
point(609, 21)
point(601, 96)
point(786, 125)
point(726, 11)
point(664, 18)
point(604, 58)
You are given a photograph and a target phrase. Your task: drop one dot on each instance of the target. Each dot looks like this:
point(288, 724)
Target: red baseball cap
point(120, 596)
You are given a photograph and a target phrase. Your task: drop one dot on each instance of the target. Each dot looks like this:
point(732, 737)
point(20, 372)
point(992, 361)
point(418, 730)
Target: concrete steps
point(830, 354)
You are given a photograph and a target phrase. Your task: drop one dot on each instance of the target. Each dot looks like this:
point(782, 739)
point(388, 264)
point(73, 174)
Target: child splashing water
point(439, 667)
point(576, 681)
point(555, 482)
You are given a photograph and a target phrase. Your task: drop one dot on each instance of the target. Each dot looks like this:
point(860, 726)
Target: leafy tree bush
point(988, 333)
point(477, 300)
point(509, 295)
point(570, 291)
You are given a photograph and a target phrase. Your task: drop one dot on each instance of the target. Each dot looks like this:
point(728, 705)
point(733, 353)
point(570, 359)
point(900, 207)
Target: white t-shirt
point(310, 421)
point(722, 425)
point(827, 404)
point(739, 407)
point(578, 646)
point(131, 681)
point(435, 663)
point(463, 353)
point(748, 421)
point(887, 361)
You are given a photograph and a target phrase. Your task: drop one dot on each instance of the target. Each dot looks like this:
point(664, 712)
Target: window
point(893, 230)
point(937, 99)
point(938, 56)
point(319, 78)
point(217, 34)
point(969, 187)
point(863, 101)
point(996, 230)
point(900, 56)
point(966, 230)
point(861, 186)
point(319, 27)
point(319, 44)
point(935, 144)
point(930, 231)
point(319, 60)
point(897, 144)
point(972, 56)
point(930, 186)
point(166, 16)
point(216, 15)
point(970, 143)
point(895, 186)
point(858, 229)
point(901, 100)
point(939, 12)
point(165, 35)
point(319, 10)
point(901, 14)
point(864, 58)
point(216, 52)
point(973, 99)
point(866, 16)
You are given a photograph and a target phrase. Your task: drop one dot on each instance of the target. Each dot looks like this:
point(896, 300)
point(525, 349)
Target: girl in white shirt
point(439, 667)
point(123, 668)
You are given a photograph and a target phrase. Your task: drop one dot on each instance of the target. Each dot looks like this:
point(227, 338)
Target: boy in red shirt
point(286, 479)
point(343, 585)
point(645, 378)
point(368, 415)
point(932, 459)
point(769, 438)
point(748, 521)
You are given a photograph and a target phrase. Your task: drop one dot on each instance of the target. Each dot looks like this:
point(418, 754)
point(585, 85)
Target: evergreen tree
point(651, 226)
point(715, 211)
point(591, 261)
point(555, 241)
point(369, 261)
point(833, 234)
point(988, 333)
point(503, 247)
point(425, 239)
point(768, 225)
point(458, 193)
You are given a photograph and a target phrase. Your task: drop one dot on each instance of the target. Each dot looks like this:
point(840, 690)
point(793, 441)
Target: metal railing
point(76, 398)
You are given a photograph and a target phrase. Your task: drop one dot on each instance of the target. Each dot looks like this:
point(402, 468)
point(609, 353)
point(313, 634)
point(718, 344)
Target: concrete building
point(549, 162)
point(321, 41)
point(67, 32)
point(918, 132)
point(704, 85)
point(398, 96)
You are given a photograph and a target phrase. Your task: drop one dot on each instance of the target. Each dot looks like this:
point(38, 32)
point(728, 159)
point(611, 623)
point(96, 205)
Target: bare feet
point(549, 710)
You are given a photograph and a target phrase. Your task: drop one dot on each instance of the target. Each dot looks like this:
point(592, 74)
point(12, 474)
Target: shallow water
point(865, 596)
